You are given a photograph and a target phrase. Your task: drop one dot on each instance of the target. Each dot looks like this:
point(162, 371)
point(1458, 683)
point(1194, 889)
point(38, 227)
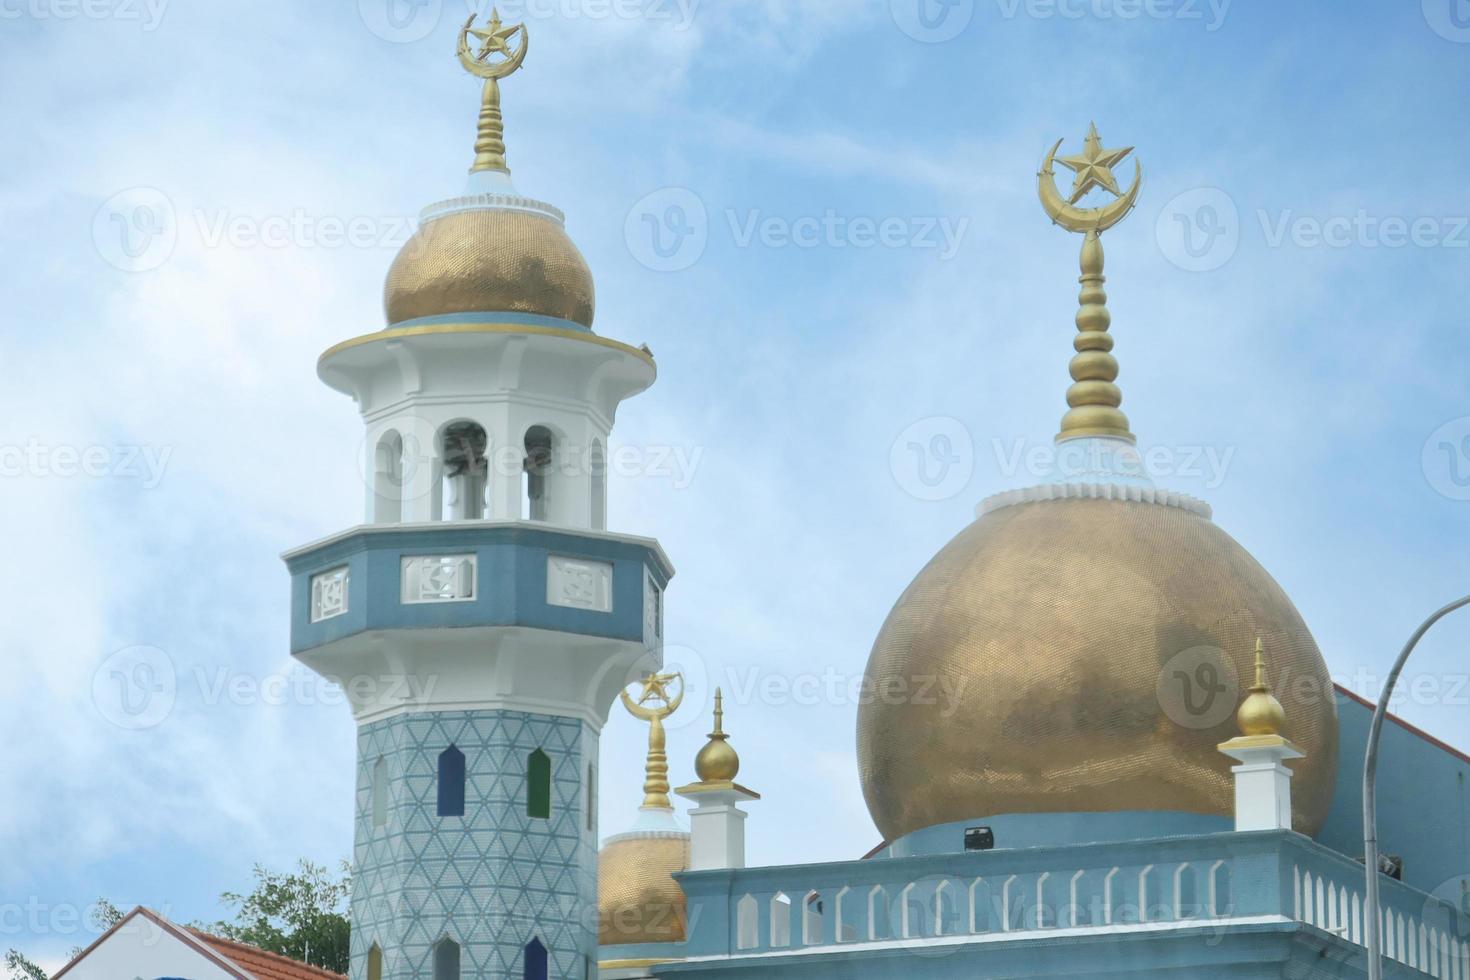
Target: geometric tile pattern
point(491, 880)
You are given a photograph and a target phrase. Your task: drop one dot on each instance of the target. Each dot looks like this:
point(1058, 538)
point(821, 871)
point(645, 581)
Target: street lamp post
point(1370, 793)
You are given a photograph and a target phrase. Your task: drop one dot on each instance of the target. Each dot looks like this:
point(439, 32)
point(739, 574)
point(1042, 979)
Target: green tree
point(17, 967)
point(301, 914)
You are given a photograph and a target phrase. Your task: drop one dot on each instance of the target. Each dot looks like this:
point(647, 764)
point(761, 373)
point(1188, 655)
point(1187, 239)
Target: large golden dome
point(1067, 634)
point(499, 259)
point(638, 900)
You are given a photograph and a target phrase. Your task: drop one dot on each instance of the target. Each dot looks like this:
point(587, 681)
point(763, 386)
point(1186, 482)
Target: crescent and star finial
point(1094, 170)
point(1093, 400)
point(495, 59)
point(656, 690)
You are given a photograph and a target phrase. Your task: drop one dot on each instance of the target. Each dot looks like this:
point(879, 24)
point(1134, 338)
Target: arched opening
point(747, 923)
point(599, 486)
point(813, 920)
point(375, 963)
point(780, 920)
point(466, 471)
point(540, 448)
point(446, 960)
point(380, 792)
point(534, 961)
point(388, 473)
point(538, 786)
point(451, 783)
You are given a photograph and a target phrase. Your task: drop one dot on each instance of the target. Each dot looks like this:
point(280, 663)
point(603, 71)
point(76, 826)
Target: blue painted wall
point(1423, 803)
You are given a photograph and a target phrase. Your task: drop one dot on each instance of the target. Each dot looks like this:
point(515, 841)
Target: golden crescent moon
point(1078, 219)
point(649, 714)
point(480, 68)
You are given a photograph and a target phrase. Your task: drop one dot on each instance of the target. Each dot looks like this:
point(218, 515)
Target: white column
point(717, 826)
point(1262, 781)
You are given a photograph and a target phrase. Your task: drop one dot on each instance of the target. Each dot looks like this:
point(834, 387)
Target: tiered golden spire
point(494, 41)
point(656, 776)
point(1093, 399)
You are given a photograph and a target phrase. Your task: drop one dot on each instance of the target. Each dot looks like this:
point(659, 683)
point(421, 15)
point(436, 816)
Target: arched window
point(538, 785)
point(388, 479)
point(446, 960)
point(539, 451)
point(466, 471)
point(813, 920)
point(780, 920)
point(375, 963)
point(599, 487)
point(451, 783)
point(380, 792)
point(534, 961)
point(747, 923)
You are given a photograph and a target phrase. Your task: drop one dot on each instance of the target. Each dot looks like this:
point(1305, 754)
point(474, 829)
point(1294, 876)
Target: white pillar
point(717, 825)
point(1262, 781)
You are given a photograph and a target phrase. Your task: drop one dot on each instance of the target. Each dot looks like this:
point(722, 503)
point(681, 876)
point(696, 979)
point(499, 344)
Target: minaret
point(481, 620)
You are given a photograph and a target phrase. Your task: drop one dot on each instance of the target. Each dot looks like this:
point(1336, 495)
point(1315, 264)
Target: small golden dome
point(718, 762)
point(638, 900)
point(490, 260)
point(1260, 713)
point(1035, 648)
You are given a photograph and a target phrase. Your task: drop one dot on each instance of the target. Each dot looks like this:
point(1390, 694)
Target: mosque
point(1148, 771)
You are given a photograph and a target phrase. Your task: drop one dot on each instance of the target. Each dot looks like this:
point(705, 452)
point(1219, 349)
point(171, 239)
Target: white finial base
point(1262, 782)
point(717, 825)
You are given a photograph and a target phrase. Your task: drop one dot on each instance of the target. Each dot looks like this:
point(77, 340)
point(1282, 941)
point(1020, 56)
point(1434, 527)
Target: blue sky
point(163, 436)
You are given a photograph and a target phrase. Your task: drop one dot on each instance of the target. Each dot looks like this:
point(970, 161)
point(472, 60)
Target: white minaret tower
point(482, 620)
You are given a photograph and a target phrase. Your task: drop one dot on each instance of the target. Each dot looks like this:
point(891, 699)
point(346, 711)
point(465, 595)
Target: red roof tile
point(262, 965)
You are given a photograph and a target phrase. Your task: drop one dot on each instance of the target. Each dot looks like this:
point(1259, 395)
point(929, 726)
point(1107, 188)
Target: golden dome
point(490, 260)
point(638, 900)
point(1056, 644)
